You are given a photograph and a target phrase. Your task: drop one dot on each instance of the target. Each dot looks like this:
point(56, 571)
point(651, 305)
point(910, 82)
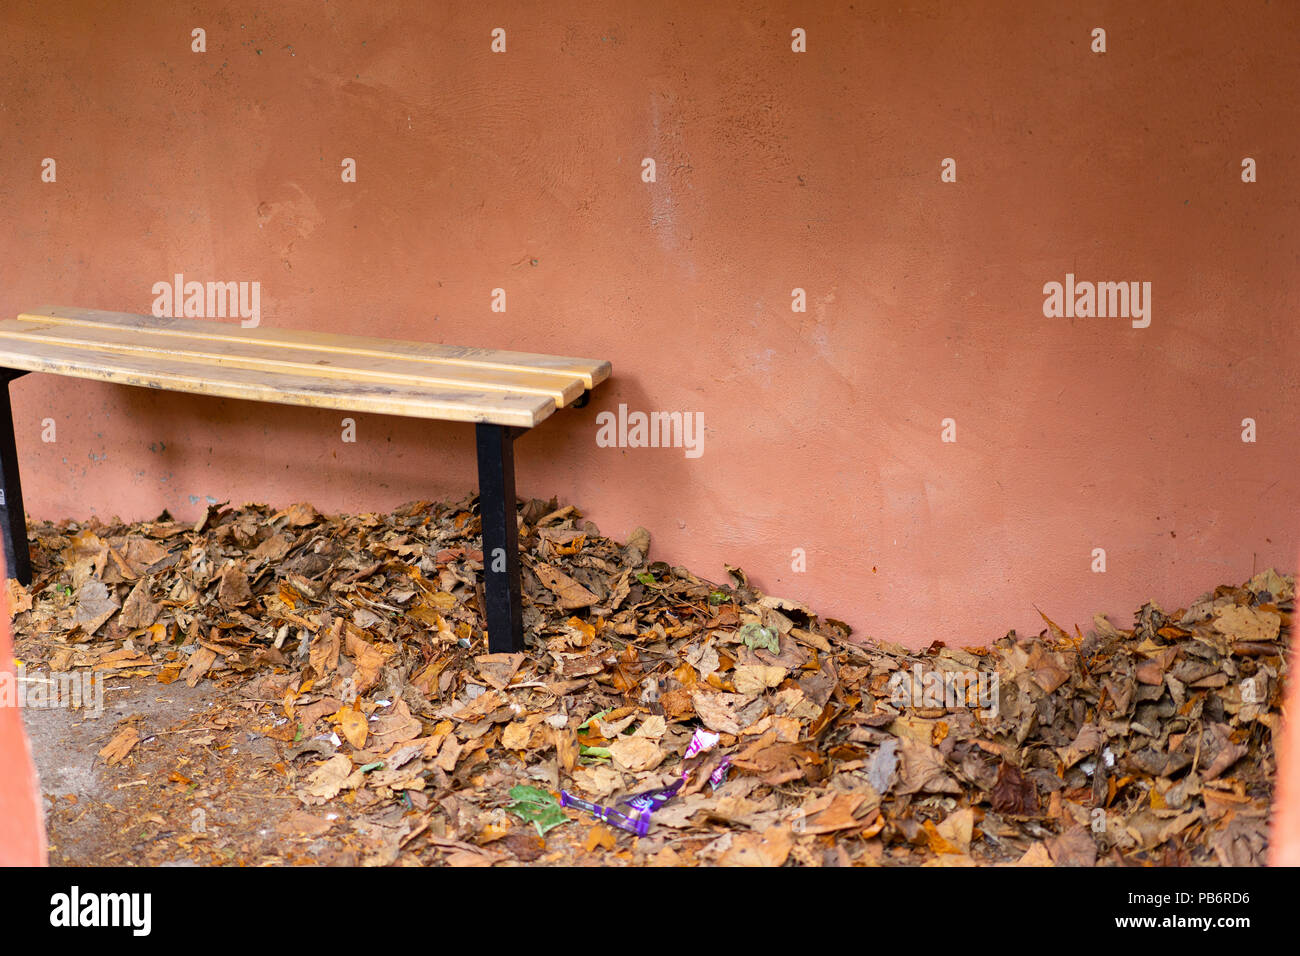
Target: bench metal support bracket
point(496, 505)
point(13, 521)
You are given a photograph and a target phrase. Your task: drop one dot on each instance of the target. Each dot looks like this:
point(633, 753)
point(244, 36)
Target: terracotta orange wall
point(1284, 840)
point(776, 171)
point(22, 825)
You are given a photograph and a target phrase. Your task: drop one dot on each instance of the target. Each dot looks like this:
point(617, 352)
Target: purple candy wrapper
point(639, 825)
point(648, 801)
point(720, 773)
point(641, 805)
point(701, 741)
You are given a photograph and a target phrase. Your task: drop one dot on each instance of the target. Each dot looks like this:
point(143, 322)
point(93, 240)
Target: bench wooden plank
point(187, 374)
point(562, 387)
point(504, 393)
point(590, 372)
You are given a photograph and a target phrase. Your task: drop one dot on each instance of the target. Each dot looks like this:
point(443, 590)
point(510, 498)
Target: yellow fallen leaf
point(20, 599)
point(353, 725)
point(516, 735)
point(753, 679)
point(598, 781)
point(653, 727)
point(121, 745)
point(636, 753)
point(955, 831)
point(769, 848)
point(1036, 855)
point(599, 836)
point(493, 831)
point(327, 780)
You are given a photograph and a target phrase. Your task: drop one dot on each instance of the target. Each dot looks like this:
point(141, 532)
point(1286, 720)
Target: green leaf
point(645, 577)
point(582, 728)
point(718, 597)
point(523, 793)
point(756, 636)
point(536, 806)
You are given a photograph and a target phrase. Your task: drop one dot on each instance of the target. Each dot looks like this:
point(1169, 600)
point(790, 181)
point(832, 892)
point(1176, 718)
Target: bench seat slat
point(187, 374)
point(590, 372)
point(562, 388)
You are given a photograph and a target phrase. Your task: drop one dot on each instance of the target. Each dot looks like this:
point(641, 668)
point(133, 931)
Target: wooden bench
point(502, 393)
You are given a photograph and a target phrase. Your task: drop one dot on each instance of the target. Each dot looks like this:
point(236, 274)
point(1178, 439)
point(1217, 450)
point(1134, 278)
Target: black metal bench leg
point(496, 505)
point(13, 521)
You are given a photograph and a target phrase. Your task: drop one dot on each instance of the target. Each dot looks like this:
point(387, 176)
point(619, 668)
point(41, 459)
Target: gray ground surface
point(88, 804)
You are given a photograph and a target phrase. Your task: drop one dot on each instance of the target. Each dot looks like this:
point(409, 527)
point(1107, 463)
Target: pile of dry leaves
point(356, 645)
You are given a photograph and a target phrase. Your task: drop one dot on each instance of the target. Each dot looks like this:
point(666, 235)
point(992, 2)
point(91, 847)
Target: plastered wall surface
point(920, 451)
